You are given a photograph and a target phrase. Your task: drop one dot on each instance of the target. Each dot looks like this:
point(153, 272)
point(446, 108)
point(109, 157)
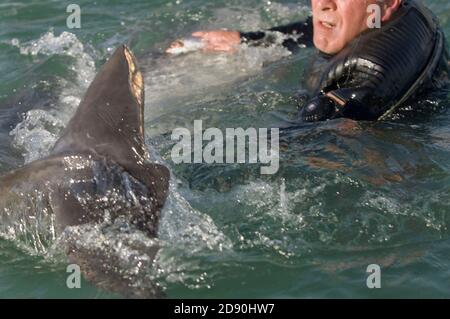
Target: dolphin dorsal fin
point(110, 119)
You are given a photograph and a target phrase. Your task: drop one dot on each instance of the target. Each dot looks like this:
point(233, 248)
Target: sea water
point(347, 195)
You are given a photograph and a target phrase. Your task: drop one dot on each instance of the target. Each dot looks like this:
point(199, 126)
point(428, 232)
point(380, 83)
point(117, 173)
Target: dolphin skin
point(99, 169)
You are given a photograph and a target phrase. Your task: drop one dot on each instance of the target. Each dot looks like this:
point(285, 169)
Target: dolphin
point(99, 169)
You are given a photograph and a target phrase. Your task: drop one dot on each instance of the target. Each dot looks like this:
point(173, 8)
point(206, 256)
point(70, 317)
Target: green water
point(347, 195)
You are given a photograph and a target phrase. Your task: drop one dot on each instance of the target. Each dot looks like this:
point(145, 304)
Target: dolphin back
point(98, 174)
point(109, 123)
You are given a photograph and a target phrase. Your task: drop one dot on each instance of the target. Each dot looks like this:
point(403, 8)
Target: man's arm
point(295, 35)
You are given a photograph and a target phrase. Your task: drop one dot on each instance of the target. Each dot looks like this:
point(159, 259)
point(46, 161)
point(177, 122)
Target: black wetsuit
point(374, 74)
point(295, 35)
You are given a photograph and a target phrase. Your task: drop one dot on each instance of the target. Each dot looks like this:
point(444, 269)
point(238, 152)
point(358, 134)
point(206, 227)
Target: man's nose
point(326, 5)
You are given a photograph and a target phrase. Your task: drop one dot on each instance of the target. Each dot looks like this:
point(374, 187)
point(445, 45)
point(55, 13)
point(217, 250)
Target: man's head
point(337, 22)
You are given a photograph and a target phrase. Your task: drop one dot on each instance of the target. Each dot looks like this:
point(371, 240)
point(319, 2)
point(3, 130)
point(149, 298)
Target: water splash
point(36, 134)
point(38, 131)
point(66, 44)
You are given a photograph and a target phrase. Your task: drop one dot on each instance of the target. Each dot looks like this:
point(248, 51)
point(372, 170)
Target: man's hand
point(216, 41)
point(219, 41)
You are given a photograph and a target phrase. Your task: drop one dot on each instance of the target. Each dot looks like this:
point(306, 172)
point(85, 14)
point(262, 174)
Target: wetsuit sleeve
point(295, 35)
point(344, 102)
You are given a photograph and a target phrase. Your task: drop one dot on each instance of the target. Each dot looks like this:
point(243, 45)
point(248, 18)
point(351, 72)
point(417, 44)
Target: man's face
point(337, 22)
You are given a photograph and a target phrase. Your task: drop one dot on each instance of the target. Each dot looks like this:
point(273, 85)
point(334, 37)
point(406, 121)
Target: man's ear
point(389, 8)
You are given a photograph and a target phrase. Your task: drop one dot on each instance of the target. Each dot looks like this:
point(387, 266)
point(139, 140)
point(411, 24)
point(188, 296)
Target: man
point(362, 71)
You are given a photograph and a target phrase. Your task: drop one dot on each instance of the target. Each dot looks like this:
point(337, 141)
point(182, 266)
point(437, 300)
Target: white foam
point(65, 44)
point(183, 226)
point(36, 134)
point(190, 77)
